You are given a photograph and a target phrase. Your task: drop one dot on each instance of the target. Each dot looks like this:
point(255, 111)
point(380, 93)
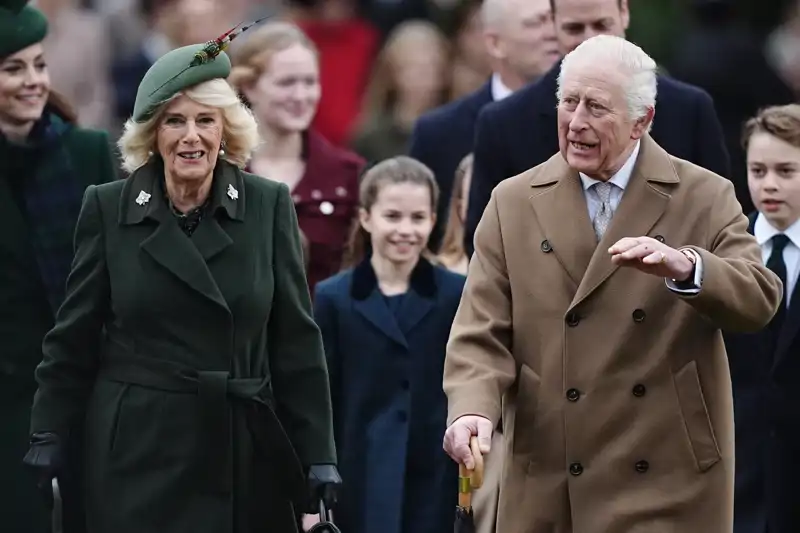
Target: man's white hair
point(615, 52)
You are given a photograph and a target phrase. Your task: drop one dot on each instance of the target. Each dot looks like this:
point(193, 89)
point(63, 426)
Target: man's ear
point(642, 124)
point(624, 14)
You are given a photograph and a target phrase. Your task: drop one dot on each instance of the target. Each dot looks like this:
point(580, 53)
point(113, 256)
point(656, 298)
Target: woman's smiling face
point(24, 86)
point(189, 137)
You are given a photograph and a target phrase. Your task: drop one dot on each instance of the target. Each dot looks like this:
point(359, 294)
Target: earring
point(222, 149)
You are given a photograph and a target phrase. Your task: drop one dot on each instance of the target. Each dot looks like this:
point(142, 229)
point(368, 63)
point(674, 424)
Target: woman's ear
point(364, 219)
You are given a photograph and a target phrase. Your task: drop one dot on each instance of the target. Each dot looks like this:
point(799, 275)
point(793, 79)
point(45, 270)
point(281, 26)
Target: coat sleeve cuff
point(472, 403)
point(694, 284)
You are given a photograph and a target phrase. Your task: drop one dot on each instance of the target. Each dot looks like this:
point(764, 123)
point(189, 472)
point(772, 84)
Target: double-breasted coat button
point(642, 466)
point(573, 319)
point(546, 248)
point(573, 395)
point(639, 390)
point(659, 238)
point(638, 315)
point(576, 469)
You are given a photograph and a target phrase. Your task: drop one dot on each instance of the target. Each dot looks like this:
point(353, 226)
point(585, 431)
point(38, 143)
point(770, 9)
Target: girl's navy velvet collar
point(423, 280)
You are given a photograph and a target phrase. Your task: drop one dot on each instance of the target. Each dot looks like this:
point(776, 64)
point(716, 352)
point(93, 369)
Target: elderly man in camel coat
point(594, 305)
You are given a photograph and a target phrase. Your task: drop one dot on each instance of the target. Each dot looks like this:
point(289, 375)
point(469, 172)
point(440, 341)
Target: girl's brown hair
point(251, 59)
point(453, 241)
point(782, 122)
point(393, 171)
point(381, 91)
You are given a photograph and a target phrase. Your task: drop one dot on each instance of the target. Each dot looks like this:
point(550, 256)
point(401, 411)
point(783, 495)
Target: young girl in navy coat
point(385, 323)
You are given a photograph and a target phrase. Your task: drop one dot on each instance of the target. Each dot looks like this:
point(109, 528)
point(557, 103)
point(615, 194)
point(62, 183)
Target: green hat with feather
point(20, 26)
point(174, 72)
point(183, 68)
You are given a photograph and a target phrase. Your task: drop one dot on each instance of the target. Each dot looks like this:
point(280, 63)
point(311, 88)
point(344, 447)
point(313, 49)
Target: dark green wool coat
point(25, 312)
point(208, 393)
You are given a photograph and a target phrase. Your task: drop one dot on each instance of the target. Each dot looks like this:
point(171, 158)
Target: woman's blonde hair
point(251, 59)
point(239, 134)
point(781, 121)
point(452, 248)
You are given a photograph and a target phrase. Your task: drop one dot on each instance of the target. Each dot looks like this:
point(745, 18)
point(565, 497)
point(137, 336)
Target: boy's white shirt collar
point(764, 231)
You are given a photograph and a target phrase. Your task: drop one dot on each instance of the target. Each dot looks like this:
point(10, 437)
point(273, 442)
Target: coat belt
point(214, 390)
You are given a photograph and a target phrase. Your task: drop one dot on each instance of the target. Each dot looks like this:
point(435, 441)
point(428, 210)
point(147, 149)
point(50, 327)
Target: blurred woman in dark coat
point(277, 71)
point(46, 162)
point(186, 340)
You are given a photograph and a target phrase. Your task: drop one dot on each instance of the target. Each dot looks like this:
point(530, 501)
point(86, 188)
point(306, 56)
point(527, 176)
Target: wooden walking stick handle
point(470, 479)
point(477, 472)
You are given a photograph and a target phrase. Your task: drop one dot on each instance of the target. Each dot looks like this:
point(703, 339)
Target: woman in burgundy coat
point(277, 71)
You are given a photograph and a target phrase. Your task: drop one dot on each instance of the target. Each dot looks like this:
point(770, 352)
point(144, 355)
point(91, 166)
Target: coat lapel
point(420, 299)
point(369, 303)
point(643, 203)
point(791, 326)
point(560, 208)
point(418, 302)
point(185, 258)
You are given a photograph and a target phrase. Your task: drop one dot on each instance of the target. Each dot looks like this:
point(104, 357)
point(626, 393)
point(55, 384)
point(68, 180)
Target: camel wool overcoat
point(618, 412)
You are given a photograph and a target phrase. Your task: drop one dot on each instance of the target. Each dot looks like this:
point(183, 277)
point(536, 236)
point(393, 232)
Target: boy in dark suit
point(520, 132)
point(765, 366)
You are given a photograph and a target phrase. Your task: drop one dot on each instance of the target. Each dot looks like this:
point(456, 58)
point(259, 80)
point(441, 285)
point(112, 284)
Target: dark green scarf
point(51, 198)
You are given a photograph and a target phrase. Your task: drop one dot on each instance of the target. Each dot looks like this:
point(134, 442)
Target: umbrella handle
point(470, 479)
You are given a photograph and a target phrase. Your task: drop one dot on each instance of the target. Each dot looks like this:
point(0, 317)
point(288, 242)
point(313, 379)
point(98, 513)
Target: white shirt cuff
point(690, 286)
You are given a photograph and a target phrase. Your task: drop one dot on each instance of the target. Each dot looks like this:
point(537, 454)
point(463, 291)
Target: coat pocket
point(526, 407)
point(695, 417)
point(116, 407)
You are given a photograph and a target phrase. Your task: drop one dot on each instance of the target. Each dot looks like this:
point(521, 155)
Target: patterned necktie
point(603, 216)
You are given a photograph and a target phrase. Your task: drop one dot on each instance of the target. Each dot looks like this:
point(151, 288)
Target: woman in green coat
point(46, 163)
point(186, 340)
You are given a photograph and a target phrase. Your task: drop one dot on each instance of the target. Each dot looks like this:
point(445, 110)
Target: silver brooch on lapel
point(232, 193)
point(143, 198)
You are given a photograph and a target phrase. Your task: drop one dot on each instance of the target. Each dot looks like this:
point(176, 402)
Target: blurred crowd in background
point(386, 62)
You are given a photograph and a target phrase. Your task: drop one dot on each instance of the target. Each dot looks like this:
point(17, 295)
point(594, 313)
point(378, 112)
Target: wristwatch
point(690, 281)
point(690, 255)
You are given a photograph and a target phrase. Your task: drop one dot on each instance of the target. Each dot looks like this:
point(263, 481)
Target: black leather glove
point(45, 458)
point(323, 484)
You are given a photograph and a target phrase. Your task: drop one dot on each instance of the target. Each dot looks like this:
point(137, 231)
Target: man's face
point(596, 134)
point(579, 20)
point(525, 38)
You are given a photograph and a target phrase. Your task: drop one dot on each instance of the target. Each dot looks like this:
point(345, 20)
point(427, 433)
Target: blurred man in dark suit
point(522, 46)
point(520, 132)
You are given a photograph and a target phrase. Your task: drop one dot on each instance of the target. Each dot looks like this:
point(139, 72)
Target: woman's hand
point(44, 458)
